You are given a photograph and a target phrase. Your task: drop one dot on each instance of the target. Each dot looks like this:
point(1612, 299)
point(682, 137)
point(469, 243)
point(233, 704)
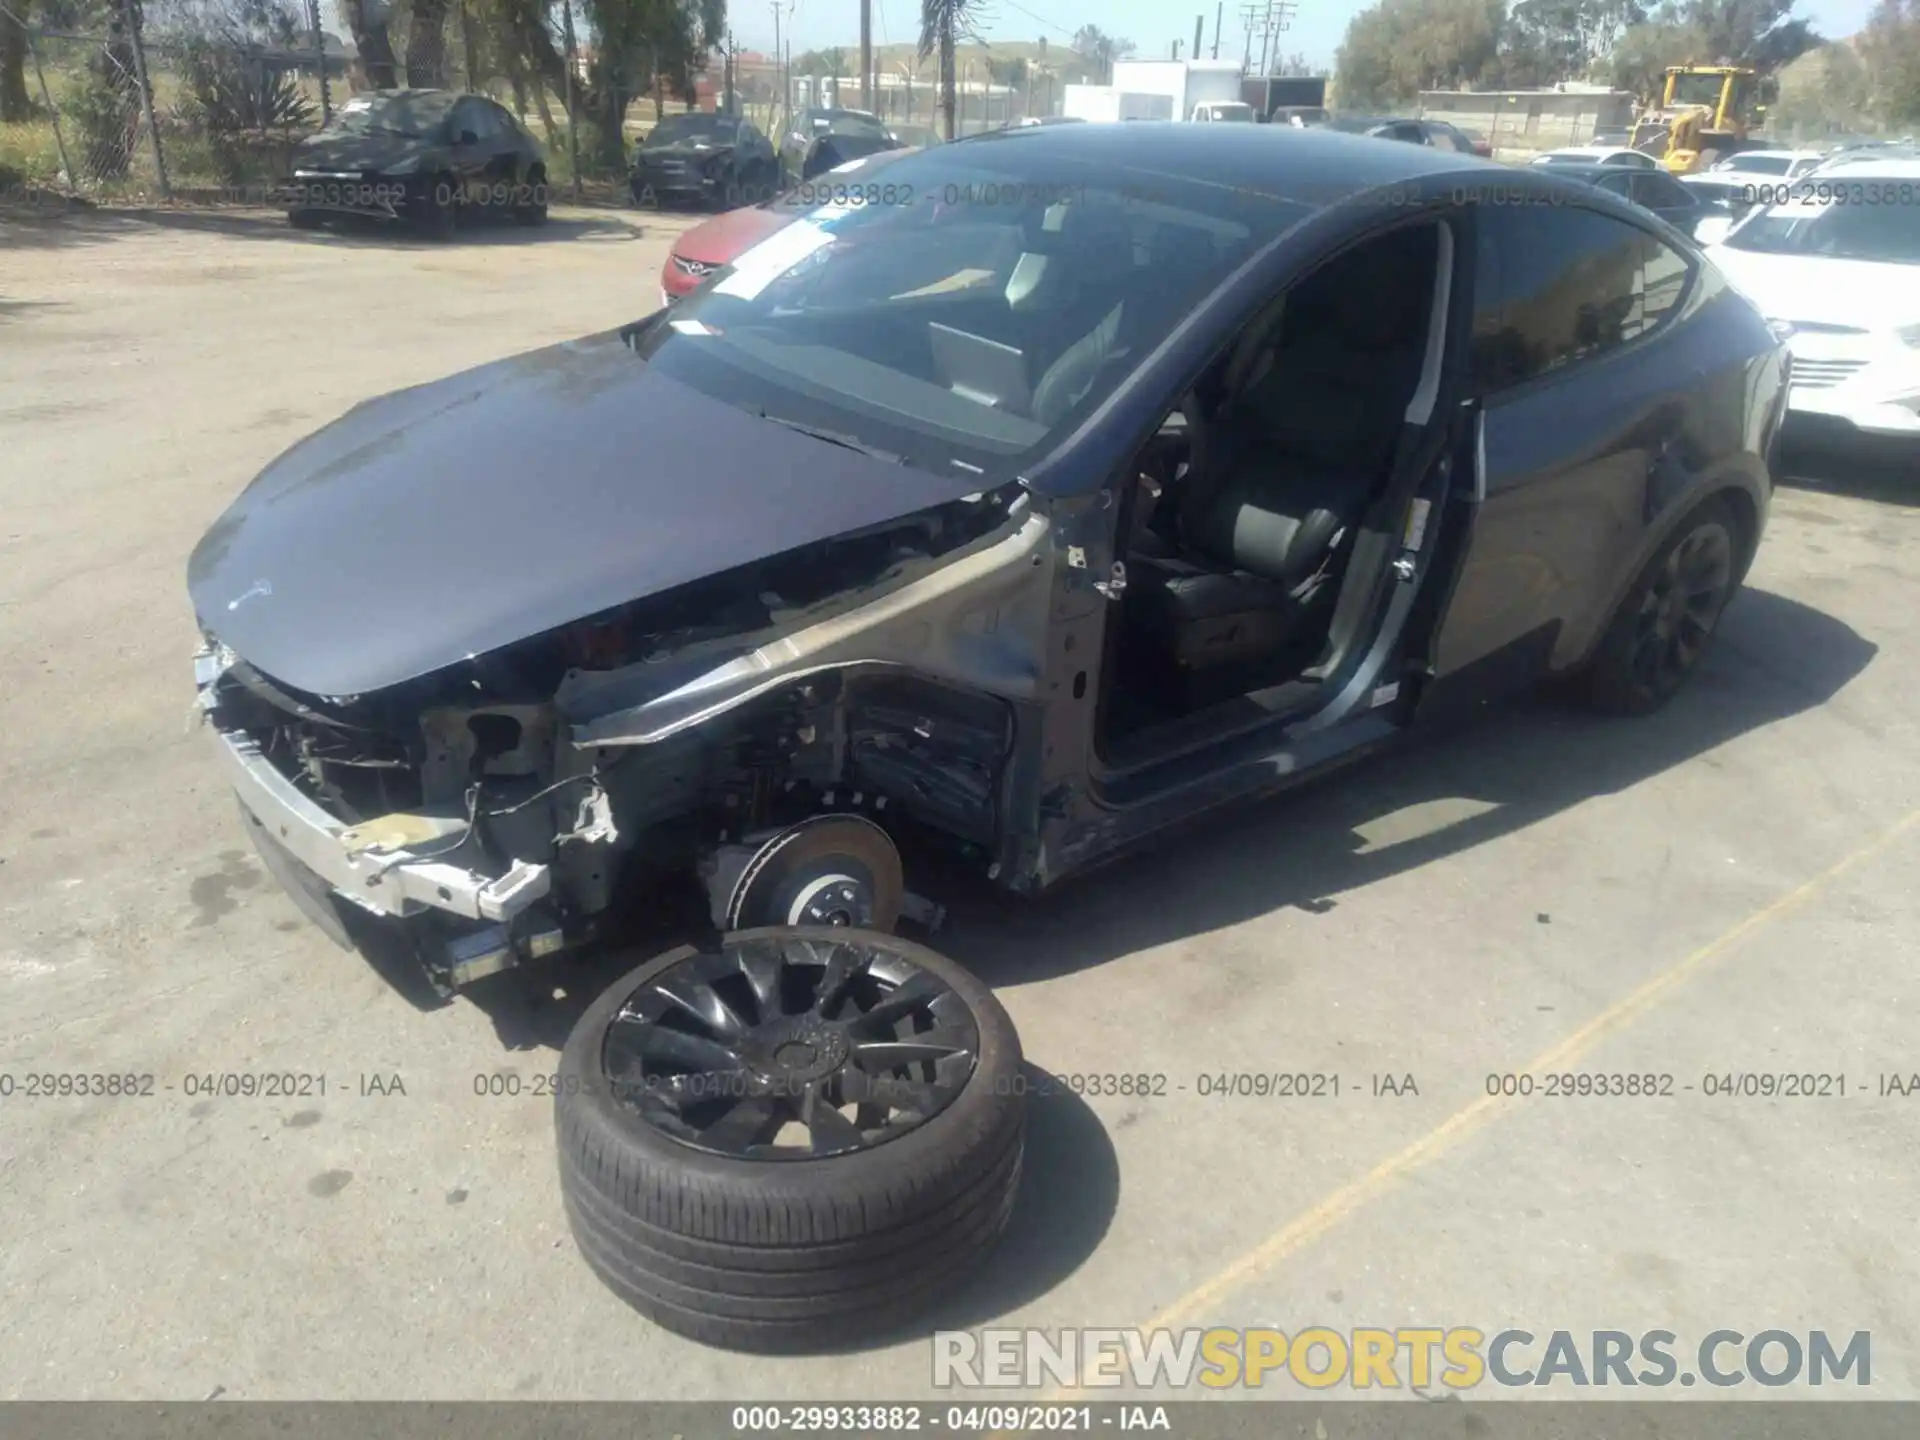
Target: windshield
point(843, 122)
point(1233, 111)
point(413, 117)
point(1564, 160)
point(1832, 227)
point(1697, 90)
point(964, 307)
point(1353, 124)
point(1757, 164)
point(692, 129)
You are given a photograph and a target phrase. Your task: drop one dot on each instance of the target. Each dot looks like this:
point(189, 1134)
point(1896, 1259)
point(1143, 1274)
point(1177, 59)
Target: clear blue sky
point(1153, 25)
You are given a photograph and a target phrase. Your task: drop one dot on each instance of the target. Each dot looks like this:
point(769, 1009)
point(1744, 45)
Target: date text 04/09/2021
point(951, 1419)
point(196, 1085)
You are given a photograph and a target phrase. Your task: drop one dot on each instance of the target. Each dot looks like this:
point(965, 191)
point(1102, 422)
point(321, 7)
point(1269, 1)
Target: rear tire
point(534, 210)
point(304, 219)
point(801, 1251)
point(1658, 635)
point(437, 215)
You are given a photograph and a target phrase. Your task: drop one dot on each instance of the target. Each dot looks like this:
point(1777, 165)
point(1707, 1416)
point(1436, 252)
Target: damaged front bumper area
point(371, 864)
point(402, 865)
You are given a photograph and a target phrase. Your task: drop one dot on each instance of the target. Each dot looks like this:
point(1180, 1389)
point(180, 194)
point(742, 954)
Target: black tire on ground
point(1667, 618)
point(304, 219)
point(533, 208)
point(437, 211)
point(791, 1254)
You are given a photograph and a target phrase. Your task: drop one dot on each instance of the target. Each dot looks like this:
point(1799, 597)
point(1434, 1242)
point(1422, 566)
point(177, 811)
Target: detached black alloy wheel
point(1662, 627)
point(793, 1141)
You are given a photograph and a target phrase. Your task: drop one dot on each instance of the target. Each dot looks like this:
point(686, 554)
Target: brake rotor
point(830, 870)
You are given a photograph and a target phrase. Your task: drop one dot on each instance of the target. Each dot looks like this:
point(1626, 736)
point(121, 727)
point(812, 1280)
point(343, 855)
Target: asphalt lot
point(1725, 887)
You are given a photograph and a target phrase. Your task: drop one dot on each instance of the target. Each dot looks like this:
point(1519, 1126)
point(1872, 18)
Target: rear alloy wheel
point(1662, 628)
point(798, 1139)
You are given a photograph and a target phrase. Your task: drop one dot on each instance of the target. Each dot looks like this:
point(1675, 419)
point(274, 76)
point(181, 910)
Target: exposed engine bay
point(503, 805)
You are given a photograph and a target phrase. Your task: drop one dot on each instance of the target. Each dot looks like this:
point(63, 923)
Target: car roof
point(1316, 166)
point(1589, 170)
point(1877, 166)
point(1339, 118)
point(1773, 155)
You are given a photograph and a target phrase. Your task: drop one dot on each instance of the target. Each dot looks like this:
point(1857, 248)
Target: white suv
point(1839, 262)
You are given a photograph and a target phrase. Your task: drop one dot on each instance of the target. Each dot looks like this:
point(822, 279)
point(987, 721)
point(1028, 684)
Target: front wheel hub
point(838, 870)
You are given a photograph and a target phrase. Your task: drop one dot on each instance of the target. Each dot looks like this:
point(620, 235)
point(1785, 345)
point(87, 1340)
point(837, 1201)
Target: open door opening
point(1255, 566)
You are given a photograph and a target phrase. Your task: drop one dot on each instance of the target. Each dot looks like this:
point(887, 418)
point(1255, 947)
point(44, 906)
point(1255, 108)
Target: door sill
point(1278, 705)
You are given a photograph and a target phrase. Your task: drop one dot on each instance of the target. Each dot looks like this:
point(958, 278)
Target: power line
point(1264, 20)
point(1040, 19)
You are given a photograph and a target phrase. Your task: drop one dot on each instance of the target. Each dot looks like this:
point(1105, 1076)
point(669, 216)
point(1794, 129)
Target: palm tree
point(943, 24)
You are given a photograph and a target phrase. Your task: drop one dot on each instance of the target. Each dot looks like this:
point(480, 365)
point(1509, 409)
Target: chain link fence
point(206, 101)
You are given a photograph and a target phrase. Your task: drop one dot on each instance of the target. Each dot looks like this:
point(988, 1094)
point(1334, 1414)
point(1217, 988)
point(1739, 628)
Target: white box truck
point(1110, 103)
point(1208, 89)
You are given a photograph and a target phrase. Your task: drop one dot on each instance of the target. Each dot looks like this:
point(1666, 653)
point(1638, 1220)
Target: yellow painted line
point(1303, 1229)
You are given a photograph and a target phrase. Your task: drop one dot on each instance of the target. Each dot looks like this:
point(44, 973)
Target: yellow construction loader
point(1702, 116)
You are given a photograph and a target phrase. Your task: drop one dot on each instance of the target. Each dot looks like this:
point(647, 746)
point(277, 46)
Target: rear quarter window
point(1557, 285)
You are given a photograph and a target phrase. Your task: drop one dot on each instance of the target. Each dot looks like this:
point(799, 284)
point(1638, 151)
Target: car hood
point(721, 239)
point(449, 520)
point(1811, 290)
point(360, 152)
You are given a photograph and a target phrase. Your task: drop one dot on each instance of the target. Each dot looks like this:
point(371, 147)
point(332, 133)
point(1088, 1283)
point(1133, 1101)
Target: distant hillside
point(1052, 57)
point(1824, 92)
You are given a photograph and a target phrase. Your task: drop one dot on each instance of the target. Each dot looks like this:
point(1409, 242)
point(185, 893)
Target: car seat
point(1282, 474)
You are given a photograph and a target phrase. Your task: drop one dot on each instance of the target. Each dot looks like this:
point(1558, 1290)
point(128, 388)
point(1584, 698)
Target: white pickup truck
point(1227, 110)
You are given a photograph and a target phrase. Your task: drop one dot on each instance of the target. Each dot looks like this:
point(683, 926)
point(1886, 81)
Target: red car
point(706, 248)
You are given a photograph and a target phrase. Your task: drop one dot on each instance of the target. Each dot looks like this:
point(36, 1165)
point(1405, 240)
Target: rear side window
point(1663, 282)
point(1557, 284)
point(474, 116)
point(1661, 192)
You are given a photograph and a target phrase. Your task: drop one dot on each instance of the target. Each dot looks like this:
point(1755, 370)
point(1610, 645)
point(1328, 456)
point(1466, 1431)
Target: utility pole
point(1251, 15)
point(1219, 13)
point(779, 73)
point(1176, 50)
point(866, 55)
point(573, 117)
point(1199, 30)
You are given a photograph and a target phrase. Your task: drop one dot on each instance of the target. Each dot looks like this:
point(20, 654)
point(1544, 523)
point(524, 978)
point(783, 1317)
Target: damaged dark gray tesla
point(1042, 492)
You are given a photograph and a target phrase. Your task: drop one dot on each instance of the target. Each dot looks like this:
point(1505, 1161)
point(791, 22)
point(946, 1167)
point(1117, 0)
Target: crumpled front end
point(450, 818)
point(499, 806)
